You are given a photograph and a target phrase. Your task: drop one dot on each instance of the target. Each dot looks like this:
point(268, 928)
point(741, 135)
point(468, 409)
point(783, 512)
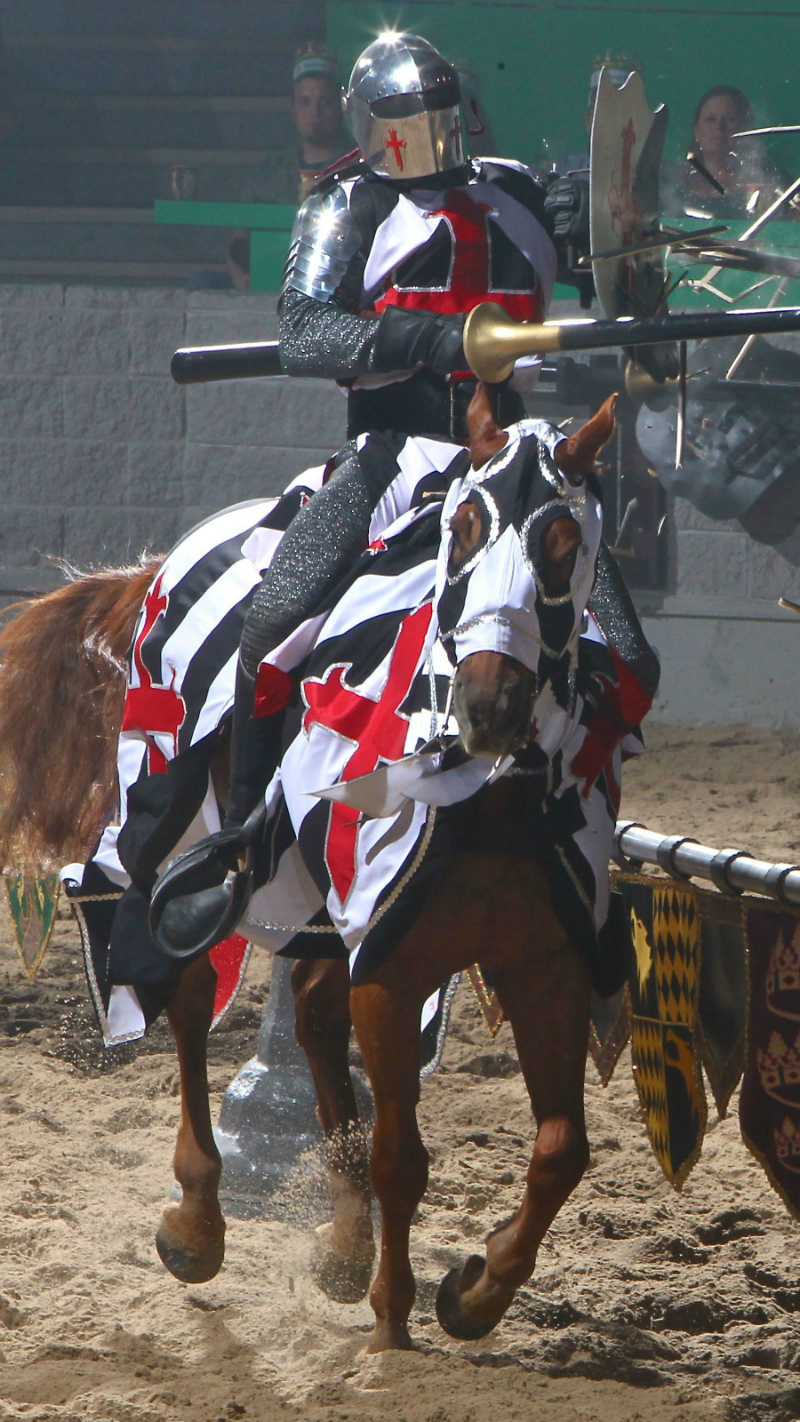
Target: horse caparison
point(492, 908)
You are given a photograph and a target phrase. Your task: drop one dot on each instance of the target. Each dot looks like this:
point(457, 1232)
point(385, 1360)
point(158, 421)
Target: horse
point(515, 559)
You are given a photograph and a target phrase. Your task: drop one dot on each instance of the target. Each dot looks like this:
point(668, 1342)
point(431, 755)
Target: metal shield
point(626, 147)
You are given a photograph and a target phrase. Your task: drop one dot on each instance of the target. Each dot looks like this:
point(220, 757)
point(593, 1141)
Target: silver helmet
point(402, 107)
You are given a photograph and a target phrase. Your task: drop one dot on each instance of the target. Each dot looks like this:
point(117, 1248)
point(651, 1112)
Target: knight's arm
point(566, 216)
point(321, 333)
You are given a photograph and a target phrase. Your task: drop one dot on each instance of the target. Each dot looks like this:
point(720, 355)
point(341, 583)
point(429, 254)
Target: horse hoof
point(341, 1279)
point(449, 1308)
point(186, 1264)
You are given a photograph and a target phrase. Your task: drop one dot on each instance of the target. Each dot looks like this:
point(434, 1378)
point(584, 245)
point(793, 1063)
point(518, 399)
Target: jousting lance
point(493, 341)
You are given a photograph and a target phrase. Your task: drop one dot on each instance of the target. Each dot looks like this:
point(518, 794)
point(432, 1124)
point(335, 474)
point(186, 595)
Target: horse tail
point(62, 691)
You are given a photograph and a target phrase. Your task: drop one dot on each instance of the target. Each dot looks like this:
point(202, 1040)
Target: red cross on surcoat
point(150, 708)
point(376, 728)
point(396, 146)
point(470, 277)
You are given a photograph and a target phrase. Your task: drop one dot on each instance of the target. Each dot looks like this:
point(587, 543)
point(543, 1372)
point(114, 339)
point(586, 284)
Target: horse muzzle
point(493, 699)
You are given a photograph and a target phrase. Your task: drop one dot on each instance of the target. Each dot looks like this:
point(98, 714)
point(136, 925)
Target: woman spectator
point(723, 176)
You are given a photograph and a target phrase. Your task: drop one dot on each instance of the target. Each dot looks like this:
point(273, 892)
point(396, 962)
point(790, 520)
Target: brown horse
point(493, 906)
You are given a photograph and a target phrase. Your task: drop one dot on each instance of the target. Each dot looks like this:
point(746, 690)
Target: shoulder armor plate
point(324, 241)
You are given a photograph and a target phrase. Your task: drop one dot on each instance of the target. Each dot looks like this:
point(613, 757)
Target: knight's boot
point(203, 894)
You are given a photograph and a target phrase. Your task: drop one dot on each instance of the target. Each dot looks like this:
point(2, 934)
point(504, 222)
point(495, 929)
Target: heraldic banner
point(33, 905)
point(769, 1105)
point(664, 986)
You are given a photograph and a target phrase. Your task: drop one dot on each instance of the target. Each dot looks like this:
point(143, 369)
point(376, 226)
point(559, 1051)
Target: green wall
point(535, 59)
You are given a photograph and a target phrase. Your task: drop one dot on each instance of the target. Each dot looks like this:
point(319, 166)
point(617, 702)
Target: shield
point(609, 1032)
point(626, 146)
point(769, 1105)
point(32, 904)
point(722, 1007)
point(490, 1007)
point(664, 986)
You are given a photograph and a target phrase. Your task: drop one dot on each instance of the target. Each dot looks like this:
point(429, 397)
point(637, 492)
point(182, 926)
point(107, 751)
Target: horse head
point(516, 567)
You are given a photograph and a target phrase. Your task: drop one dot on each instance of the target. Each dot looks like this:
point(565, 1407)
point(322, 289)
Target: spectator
point(737, 167)
point(321, 139)
point(317, 116)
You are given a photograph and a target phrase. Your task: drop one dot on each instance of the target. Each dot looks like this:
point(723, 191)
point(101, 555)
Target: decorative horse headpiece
point(521, 532)
point(501, 593)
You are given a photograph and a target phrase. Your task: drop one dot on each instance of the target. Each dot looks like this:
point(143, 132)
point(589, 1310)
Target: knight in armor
point(387, 258)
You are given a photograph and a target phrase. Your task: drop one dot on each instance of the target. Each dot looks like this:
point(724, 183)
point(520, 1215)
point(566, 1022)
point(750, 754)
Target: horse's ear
point(577, 454)
point(486, 437)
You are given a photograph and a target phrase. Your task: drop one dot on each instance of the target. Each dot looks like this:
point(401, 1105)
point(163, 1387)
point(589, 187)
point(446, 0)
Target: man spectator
point(317, 116)
point(320, 140)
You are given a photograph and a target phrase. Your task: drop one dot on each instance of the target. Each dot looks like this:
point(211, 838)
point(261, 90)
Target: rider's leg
point(320, 545)
point(617, 618)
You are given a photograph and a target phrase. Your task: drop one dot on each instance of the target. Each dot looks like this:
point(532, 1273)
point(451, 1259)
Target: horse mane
point(62, 691)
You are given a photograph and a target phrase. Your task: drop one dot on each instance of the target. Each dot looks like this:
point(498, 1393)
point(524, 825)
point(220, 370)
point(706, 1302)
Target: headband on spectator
point(317, 63)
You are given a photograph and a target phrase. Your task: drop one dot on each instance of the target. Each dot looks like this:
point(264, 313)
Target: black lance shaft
point(493, 341)
point(197, 365)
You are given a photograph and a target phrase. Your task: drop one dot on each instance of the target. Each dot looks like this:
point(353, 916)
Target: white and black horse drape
point(369, 685)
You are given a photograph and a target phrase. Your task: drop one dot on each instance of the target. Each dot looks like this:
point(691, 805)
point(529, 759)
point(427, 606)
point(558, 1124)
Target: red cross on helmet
point(402, 106)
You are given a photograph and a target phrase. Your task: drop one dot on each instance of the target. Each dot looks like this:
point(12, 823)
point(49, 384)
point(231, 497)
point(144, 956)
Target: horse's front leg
point(345, 1251)
point(388, 1027)
point(548, 1007)
point(191, 1236)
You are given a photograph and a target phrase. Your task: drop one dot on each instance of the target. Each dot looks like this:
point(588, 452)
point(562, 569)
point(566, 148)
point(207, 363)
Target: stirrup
point(196, 903)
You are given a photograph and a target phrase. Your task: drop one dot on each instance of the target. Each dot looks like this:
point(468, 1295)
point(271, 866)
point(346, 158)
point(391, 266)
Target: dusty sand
point(645, 1304)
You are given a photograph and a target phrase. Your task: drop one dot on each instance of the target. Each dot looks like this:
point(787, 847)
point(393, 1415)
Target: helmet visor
point(445, 95)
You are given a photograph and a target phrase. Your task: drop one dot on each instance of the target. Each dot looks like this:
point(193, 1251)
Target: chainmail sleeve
point(320, 332)
point(323, 338)
point(618, 620)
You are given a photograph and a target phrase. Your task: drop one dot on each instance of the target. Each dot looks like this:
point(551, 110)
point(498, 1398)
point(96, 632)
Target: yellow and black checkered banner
point(664, 988)
point(722, 1003)
point(769, 1105)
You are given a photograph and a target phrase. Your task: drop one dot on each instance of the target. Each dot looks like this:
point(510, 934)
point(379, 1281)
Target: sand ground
point(645, 1304)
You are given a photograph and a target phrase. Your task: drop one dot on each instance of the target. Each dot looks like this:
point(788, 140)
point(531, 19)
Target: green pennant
point(33, 904)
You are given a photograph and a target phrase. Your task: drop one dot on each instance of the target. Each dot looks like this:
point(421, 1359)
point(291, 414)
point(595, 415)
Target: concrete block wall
point(728, 651)
point(101, 454)
point(715, 558)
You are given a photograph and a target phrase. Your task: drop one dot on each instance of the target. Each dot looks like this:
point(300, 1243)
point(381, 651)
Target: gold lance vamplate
point(493, 342)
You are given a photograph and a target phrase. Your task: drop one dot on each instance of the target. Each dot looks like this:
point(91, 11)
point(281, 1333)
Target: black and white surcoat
point(363, 245)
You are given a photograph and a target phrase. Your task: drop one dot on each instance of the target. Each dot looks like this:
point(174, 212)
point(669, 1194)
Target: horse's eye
point(557, 553)
point(466, 528)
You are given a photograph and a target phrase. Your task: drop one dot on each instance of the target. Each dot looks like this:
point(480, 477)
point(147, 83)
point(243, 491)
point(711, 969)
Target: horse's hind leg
point(345, 1252)
point(548, 1007)
point(388, 1027)
point(191, 1236)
